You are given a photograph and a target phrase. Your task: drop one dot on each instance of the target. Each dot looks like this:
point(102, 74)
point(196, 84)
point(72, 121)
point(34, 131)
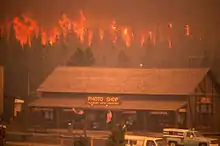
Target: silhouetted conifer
point(123, 60)
point(89, 57)
point(77, 59)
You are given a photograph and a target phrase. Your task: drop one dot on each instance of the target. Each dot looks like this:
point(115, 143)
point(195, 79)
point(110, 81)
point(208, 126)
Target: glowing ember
point(143, 40)
point(101, 34)
point(187, 31)
point(126, 37)
point(90, 35)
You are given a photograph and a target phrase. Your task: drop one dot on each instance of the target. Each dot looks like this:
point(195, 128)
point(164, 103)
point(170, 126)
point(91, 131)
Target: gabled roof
point(123, 81)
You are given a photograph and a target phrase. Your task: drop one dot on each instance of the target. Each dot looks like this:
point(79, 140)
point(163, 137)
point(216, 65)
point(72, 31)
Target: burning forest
point(27, 28)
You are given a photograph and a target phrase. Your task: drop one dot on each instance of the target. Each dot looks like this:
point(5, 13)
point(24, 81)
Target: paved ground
point(96, 143)
point(54, 138)
point(28, 144)
point(62, 137)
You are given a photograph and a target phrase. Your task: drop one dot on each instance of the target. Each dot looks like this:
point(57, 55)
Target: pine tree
point(77, 59)
point(89, 57)
point(123, 60)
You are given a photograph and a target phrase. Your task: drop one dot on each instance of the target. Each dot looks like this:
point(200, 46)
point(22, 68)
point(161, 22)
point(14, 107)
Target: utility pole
point(28, 83)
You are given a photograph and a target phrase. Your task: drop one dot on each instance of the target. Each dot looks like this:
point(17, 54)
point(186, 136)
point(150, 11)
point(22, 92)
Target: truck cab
point(135, 140)
point(187, 137)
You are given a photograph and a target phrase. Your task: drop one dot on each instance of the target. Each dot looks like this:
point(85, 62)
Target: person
point(2, 135)
point(1, 119)
point(109, 119)
point(70, 127)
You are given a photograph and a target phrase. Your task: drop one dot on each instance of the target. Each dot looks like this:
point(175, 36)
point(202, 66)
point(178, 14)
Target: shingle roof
point(123, 81)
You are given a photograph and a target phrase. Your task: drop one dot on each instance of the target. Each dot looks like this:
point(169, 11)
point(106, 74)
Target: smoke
point(137, 13)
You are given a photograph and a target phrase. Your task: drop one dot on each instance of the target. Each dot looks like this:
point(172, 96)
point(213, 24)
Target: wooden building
point(1, 89)
point(153, 98)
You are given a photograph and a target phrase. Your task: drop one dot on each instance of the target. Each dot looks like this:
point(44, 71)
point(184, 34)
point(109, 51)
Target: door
point(150, 143)
point(131, 142)
point(189, 139)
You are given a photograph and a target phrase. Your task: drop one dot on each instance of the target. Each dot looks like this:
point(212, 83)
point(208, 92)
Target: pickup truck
point(187, 137)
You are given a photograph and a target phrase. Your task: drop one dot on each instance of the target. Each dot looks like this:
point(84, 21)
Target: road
point(55, 138)
point(28, 144)
point(61, 137)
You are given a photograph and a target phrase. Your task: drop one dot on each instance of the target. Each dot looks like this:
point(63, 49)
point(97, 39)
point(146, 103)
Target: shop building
point(151, 98)
point(1, 89)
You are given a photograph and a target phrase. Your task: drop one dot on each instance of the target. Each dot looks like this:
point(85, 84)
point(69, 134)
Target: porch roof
point(146, 104)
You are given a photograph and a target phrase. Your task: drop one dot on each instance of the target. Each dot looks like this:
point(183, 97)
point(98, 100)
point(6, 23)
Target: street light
point(141, 65)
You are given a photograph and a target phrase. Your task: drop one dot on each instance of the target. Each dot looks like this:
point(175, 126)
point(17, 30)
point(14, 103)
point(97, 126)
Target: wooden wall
point(207, 104)
point(1, 89)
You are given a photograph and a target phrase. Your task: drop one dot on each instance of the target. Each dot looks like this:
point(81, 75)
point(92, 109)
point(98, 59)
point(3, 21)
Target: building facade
point(1, 89)
point(150, 99)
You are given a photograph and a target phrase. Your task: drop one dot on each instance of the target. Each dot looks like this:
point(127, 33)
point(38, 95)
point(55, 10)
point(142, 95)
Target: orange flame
point(90, 37)
point(26, 28)
point(126, 37)
point(187, 30)
point(169, 44)
point(114, 34)
point(101, 34)
point(143, 37)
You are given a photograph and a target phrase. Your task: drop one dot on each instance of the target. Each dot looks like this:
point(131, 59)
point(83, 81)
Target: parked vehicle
point(187, 137)
point(2, 135)
point(134, 140)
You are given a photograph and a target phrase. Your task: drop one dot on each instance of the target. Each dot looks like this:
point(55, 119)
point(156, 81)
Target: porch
point(145, 115)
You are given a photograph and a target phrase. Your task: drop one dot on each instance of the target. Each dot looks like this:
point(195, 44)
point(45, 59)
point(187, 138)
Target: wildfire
point(101, 34)
point(143, 37)
point(90, 36)
point(126, 37)
point(187, 30)
point(26, 29)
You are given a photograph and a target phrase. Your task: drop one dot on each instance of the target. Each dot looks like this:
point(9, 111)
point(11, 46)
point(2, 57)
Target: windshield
point(198, 134)
point(161, 142)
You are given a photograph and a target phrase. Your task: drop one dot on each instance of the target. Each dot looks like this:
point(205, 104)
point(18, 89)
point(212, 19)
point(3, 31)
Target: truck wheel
point(172, 144)
point(202, 144)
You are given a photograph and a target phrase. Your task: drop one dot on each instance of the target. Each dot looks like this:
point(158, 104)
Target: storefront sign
point(158, 113)
point(205, 100)
point(182, 110)
point(100, 100)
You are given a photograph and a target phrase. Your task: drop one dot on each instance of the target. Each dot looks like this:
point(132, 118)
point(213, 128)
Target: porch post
point(177, 118)
point(188, 114)
point(57, 120)
point(145, 114)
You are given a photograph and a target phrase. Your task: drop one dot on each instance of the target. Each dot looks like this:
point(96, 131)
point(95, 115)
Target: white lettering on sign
point(99, 100)
point(96, 99)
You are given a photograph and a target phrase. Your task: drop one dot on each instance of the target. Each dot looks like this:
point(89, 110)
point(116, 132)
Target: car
point(187, 137)
point(136, 140)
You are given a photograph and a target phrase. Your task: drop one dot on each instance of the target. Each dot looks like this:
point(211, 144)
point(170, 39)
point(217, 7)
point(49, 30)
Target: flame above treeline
point(27, 28)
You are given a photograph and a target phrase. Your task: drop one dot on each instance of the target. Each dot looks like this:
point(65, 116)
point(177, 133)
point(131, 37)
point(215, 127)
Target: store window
point(97, 119)
point(204, 115)
point(49, 115)
point(204, 108)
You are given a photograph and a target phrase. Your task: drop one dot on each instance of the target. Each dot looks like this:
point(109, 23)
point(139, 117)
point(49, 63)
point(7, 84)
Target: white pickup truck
point(187, 137)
